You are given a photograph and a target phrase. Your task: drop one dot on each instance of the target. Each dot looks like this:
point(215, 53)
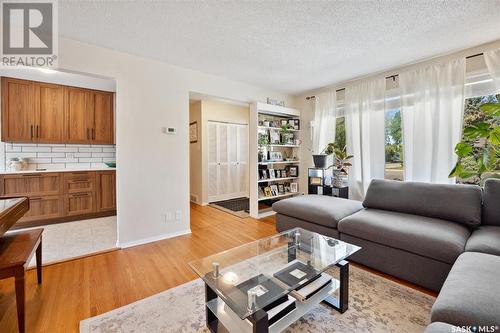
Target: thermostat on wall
point(169, 130)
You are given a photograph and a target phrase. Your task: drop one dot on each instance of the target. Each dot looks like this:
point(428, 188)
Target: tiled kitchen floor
point(69, 240)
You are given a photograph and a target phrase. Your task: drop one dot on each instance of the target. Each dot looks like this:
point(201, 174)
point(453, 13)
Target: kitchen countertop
point(55, 170)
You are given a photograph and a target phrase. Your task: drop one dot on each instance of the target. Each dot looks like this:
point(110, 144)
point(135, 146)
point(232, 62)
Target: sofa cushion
point(439, 327)
point(485, 239)
point(318, 209)
point(491, 202)
point(471, 292)
point(458, 203)
point(433, 238)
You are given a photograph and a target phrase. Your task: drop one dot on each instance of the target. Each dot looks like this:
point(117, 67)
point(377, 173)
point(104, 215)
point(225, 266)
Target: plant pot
point(320, 161)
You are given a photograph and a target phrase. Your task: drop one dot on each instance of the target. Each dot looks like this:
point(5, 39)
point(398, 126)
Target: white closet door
point(227, 161)
point(213, 169)
point(242, 138)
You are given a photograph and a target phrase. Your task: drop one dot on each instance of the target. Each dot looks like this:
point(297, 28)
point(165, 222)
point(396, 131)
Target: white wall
point(152, 167)
point(195, 155)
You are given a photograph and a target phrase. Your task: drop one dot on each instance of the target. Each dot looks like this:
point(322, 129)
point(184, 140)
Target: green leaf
point(494, 136)
point(493, 109)
point(482, 167)
point(453, 172)
point(463, 149)
point(471, 132)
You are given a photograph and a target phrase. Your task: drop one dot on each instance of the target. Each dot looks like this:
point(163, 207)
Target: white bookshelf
point(261, 111)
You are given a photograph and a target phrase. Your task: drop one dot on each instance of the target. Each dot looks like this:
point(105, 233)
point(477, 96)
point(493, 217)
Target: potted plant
point(479, 151)
point(320, 160)
point(341, 166)
point(287, 136)
point(263, 142)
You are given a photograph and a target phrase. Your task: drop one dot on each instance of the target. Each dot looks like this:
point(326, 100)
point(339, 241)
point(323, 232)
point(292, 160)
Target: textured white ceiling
point(289, 46)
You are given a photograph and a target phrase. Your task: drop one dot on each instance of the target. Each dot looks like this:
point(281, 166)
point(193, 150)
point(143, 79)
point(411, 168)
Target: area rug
point(375, 305)
point(238, 207)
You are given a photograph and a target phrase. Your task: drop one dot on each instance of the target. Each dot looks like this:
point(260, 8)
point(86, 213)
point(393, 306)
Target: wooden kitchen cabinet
point(77, 108)
point(51, 113)
point(63, 196)
point(106, 191)
point(101, 117)
point(18, 114)
point(43, 208)
point(80, 203)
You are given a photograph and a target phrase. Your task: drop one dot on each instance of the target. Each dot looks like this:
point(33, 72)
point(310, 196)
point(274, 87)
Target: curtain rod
point(393, 77)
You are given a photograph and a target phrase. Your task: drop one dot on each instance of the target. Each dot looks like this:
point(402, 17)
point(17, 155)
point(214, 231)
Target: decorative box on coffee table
point(268, 284)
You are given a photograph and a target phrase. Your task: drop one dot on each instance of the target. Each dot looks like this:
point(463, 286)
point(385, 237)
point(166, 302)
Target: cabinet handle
point(32, 175)
point(37, 131)
point(80, 195)
point(35, 199)
point(31, 131)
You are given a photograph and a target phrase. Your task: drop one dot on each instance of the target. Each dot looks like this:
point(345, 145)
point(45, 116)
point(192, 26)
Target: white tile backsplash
point(60, 156)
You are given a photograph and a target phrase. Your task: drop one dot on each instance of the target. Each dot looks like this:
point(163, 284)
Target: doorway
point(219, 172)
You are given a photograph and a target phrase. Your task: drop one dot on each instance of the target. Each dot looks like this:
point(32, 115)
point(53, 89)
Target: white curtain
point(324, 120)
point(432, 105)
point(492, 59)
point(365, 137)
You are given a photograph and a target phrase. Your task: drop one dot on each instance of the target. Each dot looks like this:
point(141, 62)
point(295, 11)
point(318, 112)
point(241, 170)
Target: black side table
point(316, 184)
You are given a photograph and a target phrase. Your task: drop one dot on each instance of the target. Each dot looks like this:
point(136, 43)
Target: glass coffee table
point(268, 284)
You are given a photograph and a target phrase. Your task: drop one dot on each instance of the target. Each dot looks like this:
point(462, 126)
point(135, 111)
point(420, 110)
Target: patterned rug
point(375, 305)
point(237, 207)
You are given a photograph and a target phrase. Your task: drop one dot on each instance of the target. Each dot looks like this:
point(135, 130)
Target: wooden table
point(16, 251)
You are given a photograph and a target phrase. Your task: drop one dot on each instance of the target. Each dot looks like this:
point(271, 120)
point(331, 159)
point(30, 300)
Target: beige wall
point(203, 112)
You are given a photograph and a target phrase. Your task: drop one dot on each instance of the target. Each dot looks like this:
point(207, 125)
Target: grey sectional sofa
point(441, 237)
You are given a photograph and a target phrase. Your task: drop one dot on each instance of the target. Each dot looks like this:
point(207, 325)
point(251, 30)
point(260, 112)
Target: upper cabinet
point(49, 122)
point(18, 111)
point(51, 113)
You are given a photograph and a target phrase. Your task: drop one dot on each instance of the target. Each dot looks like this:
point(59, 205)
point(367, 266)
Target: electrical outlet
point(178, 215)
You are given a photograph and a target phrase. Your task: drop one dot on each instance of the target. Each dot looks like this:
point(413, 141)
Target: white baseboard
point(153, 239)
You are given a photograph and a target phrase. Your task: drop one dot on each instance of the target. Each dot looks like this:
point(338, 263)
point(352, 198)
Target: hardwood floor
point(82, 288)
point(85, 287)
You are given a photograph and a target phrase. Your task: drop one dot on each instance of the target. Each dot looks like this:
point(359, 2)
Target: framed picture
point(266, 123)
point(281, 188)
point(193, 132)
point(262, 174)
point(272, 175)
point(296, 124)
point(275, 137)
point(284, 122)
point(294, 187)
point(275, 156)
point(278, 173)
point(268, 192)
point(274, 189)
point(316, 181)
point(287, 186)
point(293, 171)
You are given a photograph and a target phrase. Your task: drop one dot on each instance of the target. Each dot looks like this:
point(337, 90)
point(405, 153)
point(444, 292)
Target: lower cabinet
point(106, 193)
point(42, 208)
point(80, 203)
point(64, 195)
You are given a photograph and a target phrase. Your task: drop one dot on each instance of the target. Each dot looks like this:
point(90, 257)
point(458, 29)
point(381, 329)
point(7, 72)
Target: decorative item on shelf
point(341, 166)
point(266, 123)
point(293, 171)
point(275, 156)
point(272, 175)
point(294, 187)
point(278, 173)
point(15, 164)
point(287, 187)
point(275, 138)
point(263, 142)
point(268, 192)
point(284, 122)
point(281, 189)
point(479, 151)
point(274, 190)
point(316, 181)
point(262, 174)
point(298, 142)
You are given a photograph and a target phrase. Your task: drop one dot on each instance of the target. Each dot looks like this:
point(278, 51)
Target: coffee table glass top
point(253, 276)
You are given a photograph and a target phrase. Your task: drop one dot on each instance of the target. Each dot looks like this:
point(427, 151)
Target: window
point(393, 145)
point(472, 114)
